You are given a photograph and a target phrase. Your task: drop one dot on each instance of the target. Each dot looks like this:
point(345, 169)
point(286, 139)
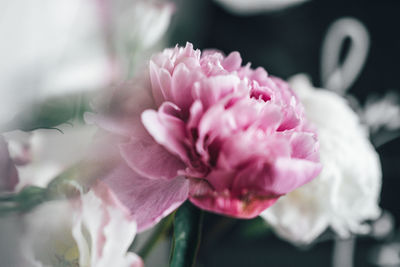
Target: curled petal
point(182, 81)
point(148, 200)
point(232, 62)
point(210, 91)
point(304, 146)
point(166, 129)
point(149, 159)
point(292, 173)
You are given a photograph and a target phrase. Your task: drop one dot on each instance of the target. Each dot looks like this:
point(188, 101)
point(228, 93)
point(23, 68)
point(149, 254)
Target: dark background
point(288, 42)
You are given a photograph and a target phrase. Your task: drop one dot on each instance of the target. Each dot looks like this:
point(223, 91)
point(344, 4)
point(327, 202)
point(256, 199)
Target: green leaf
point(187, 235)
point(30, 197)
point(23, 201)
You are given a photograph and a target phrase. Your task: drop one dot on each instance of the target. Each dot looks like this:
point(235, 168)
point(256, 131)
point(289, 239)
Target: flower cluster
point(202, 127)
point(194, 126)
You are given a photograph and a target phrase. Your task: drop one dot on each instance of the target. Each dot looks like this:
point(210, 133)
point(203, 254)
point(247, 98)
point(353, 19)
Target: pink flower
point(230, 139)
point(8, 172)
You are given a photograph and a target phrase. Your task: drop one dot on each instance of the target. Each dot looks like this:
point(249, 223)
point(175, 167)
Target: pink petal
point(221, 179)
point(264, 116)
point(165, 84)
point(222, 122)
point(232, 62)
point(251, 147)
point(196, 113)
point(211, 90)
point(8, 171)
point(158, 95)
point(304, 146)
point(151, 160)
point(182, 81)
point(214, 123)
point(167, 130)
point(276, 178)
point(291, 173)
point(148, 200)
point(291, 120)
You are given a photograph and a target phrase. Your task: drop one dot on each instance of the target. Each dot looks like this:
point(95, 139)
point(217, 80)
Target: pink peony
point(229, 138)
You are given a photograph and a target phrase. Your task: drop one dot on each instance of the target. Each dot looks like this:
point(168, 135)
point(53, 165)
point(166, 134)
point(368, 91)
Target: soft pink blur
point(8, 171)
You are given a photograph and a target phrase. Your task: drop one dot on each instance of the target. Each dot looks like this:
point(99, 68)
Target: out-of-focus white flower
point(388, 254)
point(382, 112)
point(244, 7)
point(346, 192)
point(382, 117)
point(139, 22)
point(62, 47)
point(10, 242)
point(133, 27)
point(94, 231)
point(43, 154)
point(55, 49)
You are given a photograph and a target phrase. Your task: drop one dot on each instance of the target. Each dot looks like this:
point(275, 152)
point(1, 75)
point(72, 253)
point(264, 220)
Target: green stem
point(160, 233)
point(187, 235)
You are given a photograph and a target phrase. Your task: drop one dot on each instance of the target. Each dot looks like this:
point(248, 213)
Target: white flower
point(382, 112)
point(257, 6)
point(135, 27)
point(140, 22)
point(52, 51)
point(93, 232)
point(346, 192)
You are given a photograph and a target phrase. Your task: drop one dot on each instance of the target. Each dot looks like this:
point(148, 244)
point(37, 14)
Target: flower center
point(65, 254)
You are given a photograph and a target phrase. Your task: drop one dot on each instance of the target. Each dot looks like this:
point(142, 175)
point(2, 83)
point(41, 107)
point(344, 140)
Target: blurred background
point(73, 48)
point(286, 42)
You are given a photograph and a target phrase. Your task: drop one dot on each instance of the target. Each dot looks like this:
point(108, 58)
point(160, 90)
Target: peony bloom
point(346, 192)
point(93, 231)
point(229, 138)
